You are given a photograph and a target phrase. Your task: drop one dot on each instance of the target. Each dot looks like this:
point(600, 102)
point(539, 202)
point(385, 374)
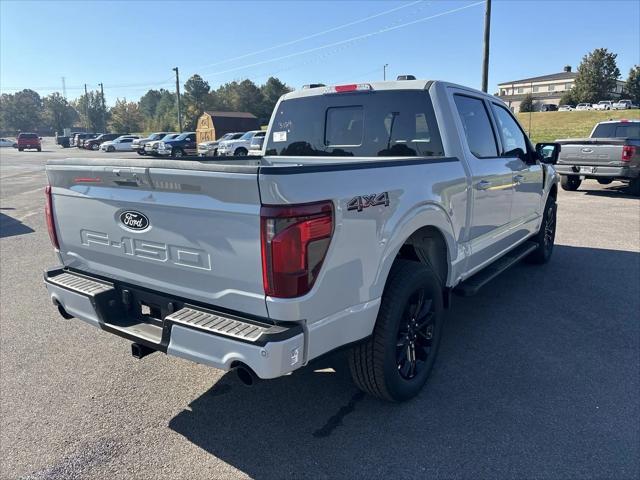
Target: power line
point(341, 44)
point(352, 39)
point(309, 37)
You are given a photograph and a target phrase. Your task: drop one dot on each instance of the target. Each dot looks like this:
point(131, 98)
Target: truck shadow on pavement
point(614, 191)
point(10, 227)
point(537, 377)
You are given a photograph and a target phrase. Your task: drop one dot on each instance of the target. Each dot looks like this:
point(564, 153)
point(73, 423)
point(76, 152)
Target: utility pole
point(104, 109)
point(64, 88)
point(178, 94)
point(485, 59)
point(86, 109)
point(384, 71)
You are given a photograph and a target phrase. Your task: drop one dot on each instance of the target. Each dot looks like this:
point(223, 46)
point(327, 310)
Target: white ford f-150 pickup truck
point(371, 205)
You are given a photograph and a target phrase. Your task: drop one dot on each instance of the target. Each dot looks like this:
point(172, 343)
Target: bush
point(527, 103)
point(569, 98)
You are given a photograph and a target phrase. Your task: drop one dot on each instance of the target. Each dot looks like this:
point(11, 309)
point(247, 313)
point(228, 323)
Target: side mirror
point(548, 152)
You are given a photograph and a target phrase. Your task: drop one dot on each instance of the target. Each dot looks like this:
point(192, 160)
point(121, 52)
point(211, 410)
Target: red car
point(29, 140)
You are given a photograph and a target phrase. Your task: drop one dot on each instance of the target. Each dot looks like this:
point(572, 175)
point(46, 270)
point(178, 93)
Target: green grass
point(549, 126)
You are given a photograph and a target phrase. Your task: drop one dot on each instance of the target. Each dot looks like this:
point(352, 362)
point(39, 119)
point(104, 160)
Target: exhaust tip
point(247, 376)
point(63, 313)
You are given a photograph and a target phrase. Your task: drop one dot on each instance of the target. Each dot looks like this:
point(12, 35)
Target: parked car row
point(603, 105)
point(178, 145)
point(169, 144)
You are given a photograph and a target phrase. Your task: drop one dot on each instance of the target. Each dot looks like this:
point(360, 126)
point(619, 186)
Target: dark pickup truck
point(612, 152)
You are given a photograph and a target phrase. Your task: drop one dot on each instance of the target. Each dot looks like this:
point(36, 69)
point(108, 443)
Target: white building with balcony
point(546, 89)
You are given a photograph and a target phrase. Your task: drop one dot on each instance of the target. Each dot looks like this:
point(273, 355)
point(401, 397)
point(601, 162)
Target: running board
point(473, 284)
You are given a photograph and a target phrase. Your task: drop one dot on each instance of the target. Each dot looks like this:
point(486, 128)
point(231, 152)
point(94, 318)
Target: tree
point(246, 97)
point(22, 111)
point(633, 84)
point(148, 103)
point(126, 117)
point(271, 91)
point(92, 112)
point(569, 98)
point(527, 103)
point(196, 96)
point(58, 113)
point(166, 118)
point(597, 75)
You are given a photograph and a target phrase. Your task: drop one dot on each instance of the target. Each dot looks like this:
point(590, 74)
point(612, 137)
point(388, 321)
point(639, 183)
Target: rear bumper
point(594, 171)
point(178, 327)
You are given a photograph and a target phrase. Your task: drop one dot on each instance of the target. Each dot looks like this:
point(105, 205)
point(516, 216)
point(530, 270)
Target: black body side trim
point(339, 167)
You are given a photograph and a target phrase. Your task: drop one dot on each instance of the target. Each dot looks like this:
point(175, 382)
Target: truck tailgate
point(190, 229)
point(592, 151)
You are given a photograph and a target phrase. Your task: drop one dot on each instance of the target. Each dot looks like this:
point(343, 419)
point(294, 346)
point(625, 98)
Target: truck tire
point(570, 182)
point(240, 152)
point(546, 236)
point(394, 363)
point(634, 186)
point(604, 181)
point(177, 153)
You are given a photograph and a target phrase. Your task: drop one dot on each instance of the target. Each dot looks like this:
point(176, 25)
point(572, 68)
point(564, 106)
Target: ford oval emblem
point(134, 220)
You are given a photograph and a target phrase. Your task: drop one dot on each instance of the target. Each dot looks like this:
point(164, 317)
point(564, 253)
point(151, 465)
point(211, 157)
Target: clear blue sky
point(132, 46)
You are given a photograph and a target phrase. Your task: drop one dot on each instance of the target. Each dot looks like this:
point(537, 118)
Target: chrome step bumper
point(172, 325)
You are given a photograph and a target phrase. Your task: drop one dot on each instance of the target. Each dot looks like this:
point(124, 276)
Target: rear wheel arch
point(401, 239)
point(428, 246)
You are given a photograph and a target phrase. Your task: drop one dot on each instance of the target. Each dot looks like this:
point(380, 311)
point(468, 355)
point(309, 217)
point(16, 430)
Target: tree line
point(157, 110)
point(595, 81)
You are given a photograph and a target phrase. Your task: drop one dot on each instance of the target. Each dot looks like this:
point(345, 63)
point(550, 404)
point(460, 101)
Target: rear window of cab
point(27, 136)
point(394, 123)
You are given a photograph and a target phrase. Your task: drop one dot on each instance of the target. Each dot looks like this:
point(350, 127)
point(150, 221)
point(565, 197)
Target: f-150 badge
point(361, 202)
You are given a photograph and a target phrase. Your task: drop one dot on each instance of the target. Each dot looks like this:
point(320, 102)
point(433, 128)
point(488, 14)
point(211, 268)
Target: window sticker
point(280, 136)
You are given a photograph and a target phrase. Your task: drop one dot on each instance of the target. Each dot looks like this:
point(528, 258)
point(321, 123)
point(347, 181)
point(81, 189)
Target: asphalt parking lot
point(538, 375)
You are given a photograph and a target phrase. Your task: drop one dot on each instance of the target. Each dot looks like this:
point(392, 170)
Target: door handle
point(518, 179)
point(483, 184)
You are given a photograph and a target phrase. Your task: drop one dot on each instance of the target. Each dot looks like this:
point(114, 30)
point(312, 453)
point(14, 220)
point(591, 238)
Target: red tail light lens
point(295, 240)
point(48, 212)
point(627, 152)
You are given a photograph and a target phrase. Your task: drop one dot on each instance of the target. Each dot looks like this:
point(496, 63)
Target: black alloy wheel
point(415, 335)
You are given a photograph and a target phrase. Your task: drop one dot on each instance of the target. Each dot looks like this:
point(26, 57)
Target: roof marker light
point(352, 87)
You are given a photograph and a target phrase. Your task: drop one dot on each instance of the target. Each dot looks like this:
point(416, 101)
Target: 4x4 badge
point(361, 202)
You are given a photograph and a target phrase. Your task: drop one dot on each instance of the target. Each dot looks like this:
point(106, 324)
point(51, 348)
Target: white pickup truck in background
point(371, 204)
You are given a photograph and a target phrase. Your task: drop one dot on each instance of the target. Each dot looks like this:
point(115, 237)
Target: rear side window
point(477, 126)
point(365, 124)
point(617, 130)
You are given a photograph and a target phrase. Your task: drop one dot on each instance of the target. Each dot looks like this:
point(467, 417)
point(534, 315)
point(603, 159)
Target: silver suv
point(239, 147)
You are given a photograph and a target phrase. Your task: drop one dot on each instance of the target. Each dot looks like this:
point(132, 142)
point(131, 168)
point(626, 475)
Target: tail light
point(627, 152)
point(48, 212)
point(294, 240)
